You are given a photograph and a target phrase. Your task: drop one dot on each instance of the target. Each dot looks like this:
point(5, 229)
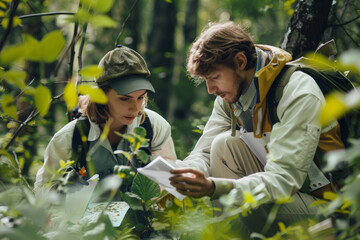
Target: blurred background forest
point(162, 31)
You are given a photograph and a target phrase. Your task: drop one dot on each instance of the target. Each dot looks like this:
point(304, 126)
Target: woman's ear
point(240, 61)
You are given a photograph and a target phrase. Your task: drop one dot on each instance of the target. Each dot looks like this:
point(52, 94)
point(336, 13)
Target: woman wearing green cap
point(125, 83)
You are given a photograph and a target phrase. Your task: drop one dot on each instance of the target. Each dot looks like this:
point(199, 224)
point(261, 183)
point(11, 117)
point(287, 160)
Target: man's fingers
point(187, 170)
point(187, 187)
point(187, 180)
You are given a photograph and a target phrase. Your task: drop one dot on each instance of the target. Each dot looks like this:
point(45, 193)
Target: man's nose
point(210, 88)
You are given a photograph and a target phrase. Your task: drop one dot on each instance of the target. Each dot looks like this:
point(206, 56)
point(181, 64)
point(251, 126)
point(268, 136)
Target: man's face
point(225, 82)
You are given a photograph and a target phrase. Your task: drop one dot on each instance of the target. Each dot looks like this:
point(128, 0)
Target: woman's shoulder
point(66, 130)
point(155, 118)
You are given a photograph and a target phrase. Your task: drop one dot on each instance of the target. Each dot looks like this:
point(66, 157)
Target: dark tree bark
point(306, 27)
point(191, 20)
point(181, 100)
point(161, 49)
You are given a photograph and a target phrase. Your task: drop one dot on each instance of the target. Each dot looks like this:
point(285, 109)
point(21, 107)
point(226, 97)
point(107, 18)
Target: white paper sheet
point(159, 171)
point(255, 145)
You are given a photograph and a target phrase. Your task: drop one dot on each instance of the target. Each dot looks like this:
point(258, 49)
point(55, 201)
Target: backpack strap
point(80, 144)
point(276, 91)
point(149, 131)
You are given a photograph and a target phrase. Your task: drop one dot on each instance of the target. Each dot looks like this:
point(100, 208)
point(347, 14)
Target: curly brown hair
point(218, 44)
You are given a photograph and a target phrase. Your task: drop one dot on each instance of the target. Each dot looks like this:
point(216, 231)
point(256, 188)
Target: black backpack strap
point(276, 91)
point(149, 131)
point(80, 144)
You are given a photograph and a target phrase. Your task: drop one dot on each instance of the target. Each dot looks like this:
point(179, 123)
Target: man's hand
point(191, 182)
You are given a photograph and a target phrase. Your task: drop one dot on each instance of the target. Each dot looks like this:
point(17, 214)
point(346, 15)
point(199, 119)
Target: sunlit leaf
point(249, 198)
point(334, 108)
point(330, 196)
point(51, 45)
point(16, 77)
point(96, 94)
point(318, 202)
point(32, 48)
point(82, 16)
point(106, 129)
point(282, 226)
point(70, 95)
point(102, 21)
point(92, 71)
point(145, 188)
point(30, 91)
point(102, 6)
point(8, 106)
point(42, 99)
point(12, 54)
point(16, 22)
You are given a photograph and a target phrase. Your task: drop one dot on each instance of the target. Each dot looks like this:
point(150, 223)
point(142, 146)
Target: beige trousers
point(231, 158)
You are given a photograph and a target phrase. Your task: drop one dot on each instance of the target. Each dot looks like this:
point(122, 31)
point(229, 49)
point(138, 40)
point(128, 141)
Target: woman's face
point(125, 108)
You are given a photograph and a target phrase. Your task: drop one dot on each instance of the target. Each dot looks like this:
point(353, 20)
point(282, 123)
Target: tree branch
point(45, 14)
point(81, 47)
point(13, 7)
point(31, 117)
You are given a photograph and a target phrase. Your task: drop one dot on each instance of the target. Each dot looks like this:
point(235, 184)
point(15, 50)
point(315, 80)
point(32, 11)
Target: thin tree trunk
point(160, 50)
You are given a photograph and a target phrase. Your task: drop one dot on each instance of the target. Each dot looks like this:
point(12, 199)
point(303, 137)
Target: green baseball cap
point(125, 71)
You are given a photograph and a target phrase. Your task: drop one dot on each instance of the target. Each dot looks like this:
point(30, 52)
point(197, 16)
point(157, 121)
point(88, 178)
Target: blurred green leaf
point(6, 154)
point(32, 48)
point(82, 16)
point(92, 71)
point(16, 22)
point(350, 59)
point(140, 131)
point(102, 6)
point(47, 50)
point(145, 188)
point(8, 106)
point(96, 94)
point(133, 200)
point(12, 54)
point(70, 95)
point(16, 77)
point(51, 45)
point(142, 156)
point(42, 97)
point(102, 21)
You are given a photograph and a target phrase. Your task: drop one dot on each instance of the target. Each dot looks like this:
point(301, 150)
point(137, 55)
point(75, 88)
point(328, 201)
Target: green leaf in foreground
point(145, 188)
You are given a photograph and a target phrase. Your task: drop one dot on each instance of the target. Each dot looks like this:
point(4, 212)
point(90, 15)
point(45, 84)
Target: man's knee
point(224, 142)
